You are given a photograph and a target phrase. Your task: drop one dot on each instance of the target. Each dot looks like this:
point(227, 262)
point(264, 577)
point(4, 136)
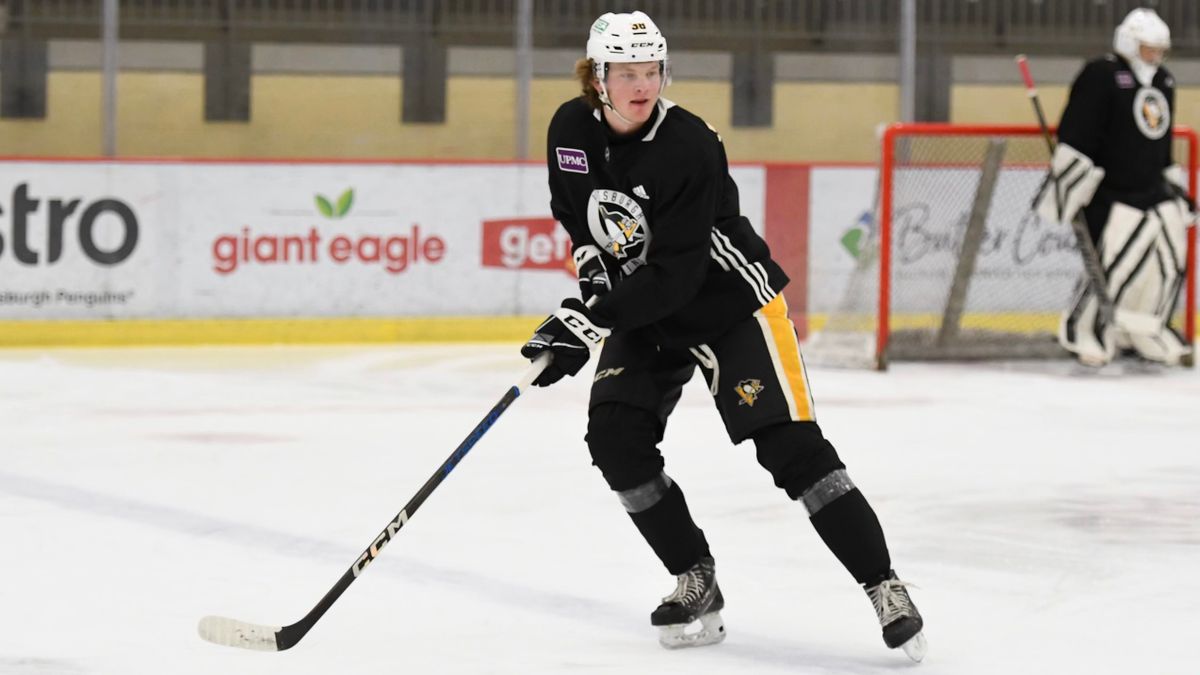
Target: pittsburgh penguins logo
point(748, 391)
point(1151, 113)
point(619, 226)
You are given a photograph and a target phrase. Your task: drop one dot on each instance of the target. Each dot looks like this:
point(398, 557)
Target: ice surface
point(1050, 521)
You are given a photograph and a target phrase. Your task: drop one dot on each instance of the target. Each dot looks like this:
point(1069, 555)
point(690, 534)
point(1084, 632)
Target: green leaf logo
point(852, 241)
point(324, 206)
point(344, 202)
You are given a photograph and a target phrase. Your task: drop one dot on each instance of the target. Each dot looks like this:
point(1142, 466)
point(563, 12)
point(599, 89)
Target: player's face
point(633, 89)
point(1152, 55)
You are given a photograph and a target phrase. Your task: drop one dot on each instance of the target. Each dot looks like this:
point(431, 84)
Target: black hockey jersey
point(662, 207)
point(1123, 127)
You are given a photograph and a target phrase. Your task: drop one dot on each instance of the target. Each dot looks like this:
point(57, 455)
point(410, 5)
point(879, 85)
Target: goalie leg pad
point(1127, 238)
point(1154, 289)
point(1128, 249)
point(1083, 334)
point(1166, 347)
point(1144, 256)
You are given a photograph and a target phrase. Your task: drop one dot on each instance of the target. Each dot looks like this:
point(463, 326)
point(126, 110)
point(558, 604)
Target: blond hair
point(585, 73)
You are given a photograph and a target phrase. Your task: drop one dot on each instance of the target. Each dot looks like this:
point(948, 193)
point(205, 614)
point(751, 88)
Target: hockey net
point(955, 265)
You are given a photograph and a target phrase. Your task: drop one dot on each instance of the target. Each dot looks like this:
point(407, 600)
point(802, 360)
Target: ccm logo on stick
point(380, 541)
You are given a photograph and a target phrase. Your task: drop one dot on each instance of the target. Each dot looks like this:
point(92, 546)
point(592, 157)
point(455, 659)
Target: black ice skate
point(901, 621)
point(696, 598)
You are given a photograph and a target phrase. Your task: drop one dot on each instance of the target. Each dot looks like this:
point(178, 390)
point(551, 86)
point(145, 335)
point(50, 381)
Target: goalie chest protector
point(1123, 126)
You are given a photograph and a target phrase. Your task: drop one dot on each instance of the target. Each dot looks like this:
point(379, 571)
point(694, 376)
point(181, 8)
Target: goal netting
point(956, 265)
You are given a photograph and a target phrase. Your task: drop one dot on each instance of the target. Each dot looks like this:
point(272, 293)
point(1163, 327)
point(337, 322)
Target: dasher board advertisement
point(98, 240)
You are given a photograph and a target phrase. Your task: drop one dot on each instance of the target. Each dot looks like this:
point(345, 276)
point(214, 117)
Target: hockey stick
point(1087, 248)
point(234, 633)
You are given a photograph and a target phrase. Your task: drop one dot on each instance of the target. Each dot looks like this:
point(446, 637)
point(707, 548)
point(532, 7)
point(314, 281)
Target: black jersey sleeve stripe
point(729, 262)
point(720, 261)
point(763, 296)
point(754, 274)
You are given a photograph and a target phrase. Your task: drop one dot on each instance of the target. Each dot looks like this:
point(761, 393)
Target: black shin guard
point(668, 528)
point(849, 527)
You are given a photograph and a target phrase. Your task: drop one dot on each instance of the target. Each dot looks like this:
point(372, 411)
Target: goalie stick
point(235, 633)
point(1087, 248)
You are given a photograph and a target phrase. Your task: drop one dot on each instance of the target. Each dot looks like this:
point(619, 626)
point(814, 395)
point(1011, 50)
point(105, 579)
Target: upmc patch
point(570, 159)
point(1124, 79)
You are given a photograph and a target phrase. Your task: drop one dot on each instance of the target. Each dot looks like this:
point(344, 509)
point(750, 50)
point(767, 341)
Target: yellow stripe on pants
point(780, 336)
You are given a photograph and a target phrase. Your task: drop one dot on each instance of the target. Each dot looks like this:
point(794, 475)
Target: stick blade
point(233, 633)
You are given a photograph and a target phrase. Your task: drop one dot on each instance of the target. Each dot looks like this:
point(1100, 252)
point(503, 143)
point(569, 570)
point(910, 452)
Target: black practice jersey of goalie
point(1123, 127)
point(661, 206)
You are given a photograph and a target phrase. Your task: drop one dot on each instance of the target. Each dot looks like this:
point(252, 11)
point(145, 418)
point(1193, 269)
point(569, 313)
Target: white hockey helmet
point(1141, 27)
point(625, 38)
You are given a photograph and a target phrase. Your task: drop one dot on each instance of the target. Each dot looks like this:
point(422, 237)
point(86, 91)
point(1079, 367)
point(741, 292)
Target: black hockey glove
point(1180, 192)
point(594, 279)
point(1177, 185)
point(570, 334)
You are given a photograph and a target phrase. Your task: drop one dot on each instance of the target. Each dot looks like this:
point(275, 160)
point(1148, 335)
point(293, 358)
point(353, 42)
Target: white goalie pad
point(1129, 236)
point(1149, 296)
point(1176, 215)
point(1143, 253)
point(1082, 333)
point(1068, 186)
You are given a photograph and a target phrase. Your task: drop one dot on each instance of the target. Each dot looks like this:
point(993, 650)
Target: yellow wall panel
point(343, 116)
point(72, 126)
point(1003, 104)
point(812, 121)
point(818, 121)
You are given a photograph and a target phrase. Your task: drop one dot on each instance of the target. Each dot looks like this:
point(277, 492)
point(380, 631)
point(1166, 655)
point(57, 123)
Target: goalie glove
point(594, 278)
point(1069, 185)
point(569, 334)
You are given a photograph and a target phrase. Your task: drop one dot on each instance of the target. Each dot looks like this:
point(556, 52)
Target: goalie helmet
point(626, 38)
point(1141, 27)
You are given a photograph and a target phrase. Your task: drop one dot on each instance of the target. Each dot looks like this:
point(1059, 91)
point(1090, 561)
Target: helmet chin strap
point(607, 102)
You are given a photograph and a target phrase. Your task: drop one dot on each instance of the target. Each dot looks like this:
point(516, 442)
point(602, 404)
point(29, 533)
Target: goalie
point(1113, 165)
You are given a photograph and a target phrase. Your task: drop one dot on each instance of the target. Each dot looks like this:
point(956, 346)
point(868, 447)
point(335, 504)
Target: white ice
point(1051, 521)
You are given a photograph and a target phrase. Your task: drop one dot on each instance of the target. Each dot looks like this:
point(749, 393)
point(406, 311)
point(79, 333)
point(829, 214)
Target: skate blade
point(711, 631)
point(916, 647)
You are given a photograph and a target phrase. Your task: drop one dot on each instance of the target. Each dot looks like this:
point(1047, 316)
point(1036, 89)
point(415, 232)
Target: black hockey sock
point(668, 528)
point(849, 527)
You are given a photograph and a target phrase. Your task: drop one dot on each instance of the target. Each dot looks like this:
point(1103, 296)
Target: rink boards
point(176, 252)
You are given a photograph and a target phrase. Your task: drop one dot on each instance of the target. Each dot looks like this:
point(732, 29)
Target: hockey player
point(1113, 163)
point(681, 280)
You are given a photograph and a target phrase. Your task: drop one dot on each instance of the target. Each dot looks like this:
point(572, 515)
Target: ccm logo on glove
point(570, 334)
